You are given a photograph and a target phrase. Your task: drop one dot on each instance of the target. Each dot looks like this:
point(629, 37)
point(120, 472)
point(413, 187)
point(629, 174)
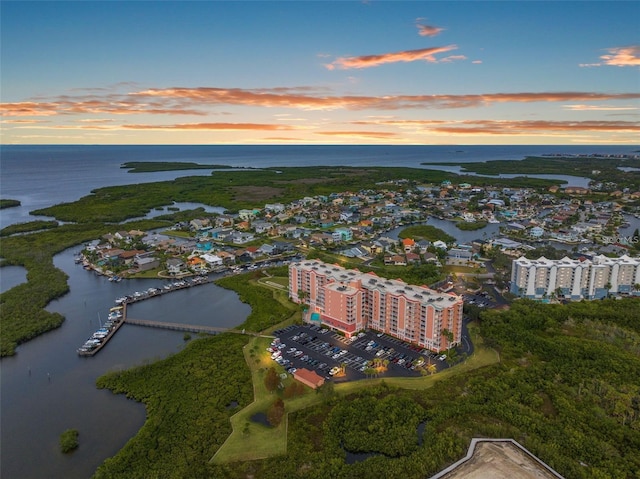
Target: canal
point(47, 388)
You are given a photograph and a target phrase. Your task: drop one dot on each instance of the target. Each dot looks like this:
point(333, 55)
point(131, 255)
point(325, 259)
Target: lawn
point(250, 440)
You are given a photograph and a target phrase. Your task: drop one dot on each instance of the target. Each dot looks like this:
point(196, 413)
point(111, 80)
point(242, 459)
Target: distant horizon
point(386, 145)
point(316, 73)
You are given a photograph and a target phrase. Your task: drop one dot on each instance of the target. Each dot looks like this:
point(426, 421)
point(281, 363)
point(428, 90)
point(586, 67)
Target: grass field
point(250, 440)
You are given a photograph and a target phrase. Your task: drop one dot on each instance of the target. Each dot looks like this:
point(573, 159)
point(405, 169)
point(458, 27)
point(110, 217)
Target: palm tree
point(431, 368)
point(449, 335)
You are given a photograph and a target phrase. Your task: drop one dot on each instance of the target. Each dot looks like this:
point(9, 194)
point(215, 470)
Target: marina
point(118, 316)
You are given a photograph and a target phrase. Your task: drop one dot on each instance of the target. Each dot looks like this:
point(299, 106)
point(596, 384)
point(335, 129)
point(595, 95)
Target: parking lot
point(322, 350)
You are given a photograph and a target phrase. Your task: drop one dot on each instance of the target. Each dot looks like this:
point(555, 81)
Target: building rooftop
point(498, 459)
point(343, 277)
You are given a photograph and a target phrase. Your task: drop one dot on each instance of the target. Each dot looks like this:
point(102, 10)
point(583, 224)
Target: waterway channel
point(47, 388)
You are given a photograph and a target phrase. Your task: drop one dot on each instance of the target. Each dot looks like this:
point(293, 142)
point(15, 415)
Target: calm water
point(46, 388)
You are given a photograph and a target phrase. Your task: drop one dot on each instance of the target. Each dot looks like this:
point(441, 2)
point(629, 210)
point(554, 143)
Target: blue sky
point(285, 72)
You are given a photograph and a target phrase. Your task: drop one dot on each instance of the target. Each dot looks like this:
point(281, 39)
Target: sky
point(329, 72)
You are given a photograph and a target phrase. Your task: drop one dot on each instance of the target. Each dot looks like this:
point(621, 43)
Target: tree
point(276, 412)
point(271, 380)
point(449, 336)
point(69, 440)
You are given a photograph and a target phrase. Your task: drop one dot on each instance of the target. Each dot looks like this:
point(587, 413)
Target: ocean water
point(43, 175)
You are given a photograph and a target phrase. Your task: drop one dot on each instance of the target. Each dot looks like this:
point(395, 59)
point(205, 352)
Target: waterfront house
point(175, 266)
point(145, 263)
point(212, 259)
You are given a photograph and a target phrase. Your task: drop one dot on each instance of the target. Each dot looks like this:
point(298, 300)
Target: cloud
point(368, 61)
point(501, 127)
point(428, 30)
point(212, 126)
point(619, 57)
point(623, 56)
point(359, 134)
point(23, 122)
point(220, 96)
point(77, 105)
point(598, 107)
point(200, 100)
point(476, 62)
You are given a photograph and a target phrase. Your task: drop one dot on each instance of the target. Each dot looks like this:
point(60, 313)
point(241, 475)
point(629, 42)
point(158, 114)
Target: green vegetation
point(599, 169)
point(6, 203)
point(28, 227)
point(367, 424)
point(188, 398)
point(151, 166)
point(467, 226)
point(428, 232)
point(268, 306)
point(69, 441)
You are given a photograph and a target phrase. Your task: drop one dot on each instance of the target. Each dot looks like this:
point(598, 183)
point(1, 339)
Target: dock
point(148, 294)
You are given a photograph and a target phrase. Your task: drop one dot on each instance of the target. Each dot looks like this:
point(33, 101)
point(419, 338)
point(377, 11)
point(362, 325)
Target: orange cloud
point(359, 134)
point(367, 61)
point(236, 96)
point(498, 127)
point(22, 122)
point(74, 105)
point(619, 57)
point(623, 56)
point(212, 126)
point(195, 101)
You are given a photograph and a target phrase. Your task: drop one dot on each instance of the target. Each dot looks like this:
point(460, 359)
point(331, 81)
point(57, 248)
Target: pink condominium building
point(350, 301)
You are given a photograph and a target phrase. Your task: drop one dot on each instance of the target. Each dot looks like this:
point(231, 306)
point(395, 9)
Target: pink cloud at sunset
point(428, 30)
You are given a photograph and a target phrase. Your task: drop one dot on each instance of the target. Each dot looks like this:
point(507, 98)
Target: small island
point(69, 441)
point(153, 166)
point(7, 203)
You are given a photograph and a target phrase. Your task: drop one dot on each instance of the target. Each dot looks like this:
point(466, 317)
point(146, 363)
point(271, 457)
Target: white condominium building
point(575, 278)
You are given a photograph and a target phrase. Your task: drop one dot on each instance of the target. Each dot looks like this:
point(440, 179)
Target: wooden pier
point(192, 328)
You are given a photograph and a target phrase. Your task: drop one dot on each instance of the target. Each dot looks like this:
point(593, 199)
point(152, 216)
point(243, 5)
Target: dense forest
point(567, 388)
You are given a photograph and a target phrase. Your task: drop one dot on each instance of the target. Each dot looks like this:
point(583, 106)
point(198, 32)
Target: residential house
point(261, 226)
point(145, 262)
point(238, 237)
point(175, 266)
point(408, 244)
point(266, 250)
point(212, 260)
